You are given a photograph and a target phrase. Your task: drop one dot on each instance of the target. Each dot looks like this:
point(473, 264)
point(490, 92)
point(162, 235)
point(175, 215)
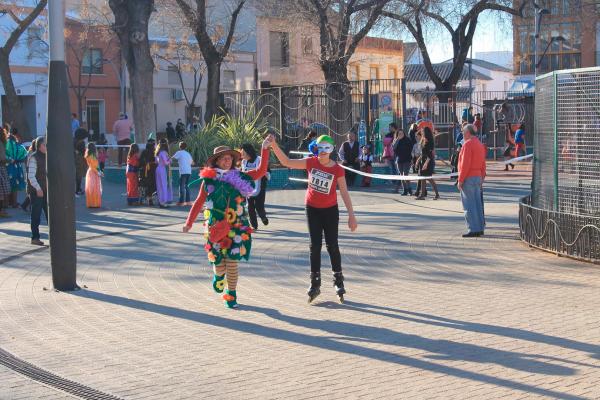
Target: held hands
point(268, 141)
point(186, 228)
point(352, 224)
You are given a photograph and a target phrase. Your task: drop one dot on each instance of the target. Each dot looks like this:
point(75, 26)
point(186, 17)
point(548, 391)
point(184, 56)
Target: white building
point(29, 69)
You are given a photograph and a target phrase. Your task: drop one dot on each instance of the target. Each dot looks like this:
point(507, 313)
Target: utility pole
point(60, 159)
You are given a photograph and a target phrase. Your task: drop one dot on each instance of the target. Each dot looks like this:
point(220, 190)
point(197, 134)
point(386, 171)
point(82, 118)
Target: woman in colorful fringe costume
point(228, 233)
point(322, 212)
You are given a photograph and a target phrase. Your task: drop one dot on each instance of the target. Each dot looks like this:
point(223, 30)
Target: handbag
point(219, 230)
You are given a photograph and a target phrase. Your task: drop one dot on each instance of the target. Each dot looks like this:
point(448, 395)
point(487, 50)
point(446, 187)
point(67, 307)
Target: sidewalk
point(428, 314)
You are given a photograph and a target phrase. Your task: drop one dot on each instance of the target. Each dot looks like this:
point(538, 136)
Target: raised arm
point(285, 160)
point(196, 208)
point(264, 164)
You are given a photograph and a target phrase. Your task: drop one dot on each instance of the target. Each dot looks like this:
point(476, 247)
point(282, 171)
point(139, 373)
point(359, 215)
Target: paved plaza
point(428, 314)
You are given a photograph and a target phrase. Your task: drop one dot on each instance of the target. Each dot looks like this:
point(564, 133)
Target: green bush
point(225, 131)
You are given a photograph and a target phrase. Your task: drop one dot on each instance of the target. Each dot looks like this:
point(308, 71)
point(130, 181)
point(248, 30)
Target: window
point(374, 72)
point(228, 80)
point(392, 73)
point(35, 41)
point(173, 75)
point(307, 45)
point(92, 62)
point(354, 73)
point(279, 45)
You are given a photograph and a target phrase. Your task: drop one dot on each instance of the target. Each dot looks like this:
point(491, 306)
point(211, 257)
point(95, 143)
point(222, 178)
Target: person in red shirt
point(324, 177)
point(471, 173)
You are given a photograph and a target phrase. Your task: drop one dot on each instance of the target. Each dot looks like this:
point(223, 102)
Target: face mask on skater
point(325, 148)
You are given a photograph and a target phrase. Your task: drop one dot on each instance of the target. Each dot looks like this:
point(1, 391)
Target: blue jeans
point(393, 167)
point(184, 191)
point(38, 204)
point(472, 204)
point(404, 170)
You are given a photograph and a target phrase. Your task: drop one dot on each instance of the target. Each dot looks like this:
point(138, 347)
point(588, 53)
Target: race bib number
point(320, 181)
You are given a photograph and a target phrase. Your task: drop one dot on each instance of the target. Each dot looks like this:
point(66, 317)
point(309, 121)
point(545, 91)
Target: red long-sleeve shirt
point(255, 175)
point(471, 161)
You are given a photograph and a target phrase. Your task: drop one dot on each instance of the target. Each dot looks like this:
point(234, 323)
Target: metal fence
point(292, 110)
point(564, 209)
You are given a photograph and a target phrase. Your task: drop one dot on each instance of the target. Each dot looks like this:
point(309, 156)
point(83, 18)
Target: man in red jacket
point(471, 173)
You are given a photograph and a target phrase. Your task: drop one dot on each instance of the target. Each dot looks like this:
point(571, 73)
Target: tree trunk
point(15, 108)
point(131, 26)
point(339, 99)
point(213, 85)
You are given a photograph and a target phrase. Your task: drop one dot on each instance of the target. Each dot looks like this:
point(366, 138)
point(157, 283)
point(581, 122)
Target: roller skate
point(218, 283)
point(338, 284)
point(230, 298)
point(315, 286)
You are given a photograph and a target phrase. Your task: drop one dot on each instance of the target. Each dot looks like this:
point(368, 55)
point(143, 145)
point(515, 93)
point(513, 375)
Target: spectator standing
point(256, 201)
point(16, 155)
point(171, 134)
point(4, 180)
point(520, 141)
point(185, 162)
point(472, 171)
point(163, 189)
point(388, 149)
point(93, 183)
point(122, 129)
point(366, 165)
point(75, 124)
point(349, 151)
point(508, 151)
point(36, 188)
point(416, 152)
point(467, 115)
point(194, 127)
point(179, 129)
point(426, 165)
point(80, 166)
point(132, 174)
point(478, 124)
point(403, 152)
point(148, 172)
point(32, 149)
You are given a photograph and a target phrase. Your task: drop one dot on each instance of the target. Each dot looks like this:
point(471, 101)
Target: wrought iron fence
point(292, 110)
point(566, 175)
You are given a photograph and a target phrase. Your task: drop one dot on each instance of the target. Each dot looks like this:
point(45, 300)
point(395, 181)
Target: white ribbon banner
point(517, 159)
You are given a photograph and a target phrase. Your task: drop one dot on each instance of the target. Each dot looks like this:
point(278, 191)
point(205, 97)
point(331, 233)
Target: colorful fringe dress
point(93, 184)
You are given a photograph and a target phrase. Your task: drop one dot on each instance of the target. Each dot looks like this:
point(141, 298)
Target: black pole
point(404, 116)
point(367, 110)
point(60, 160)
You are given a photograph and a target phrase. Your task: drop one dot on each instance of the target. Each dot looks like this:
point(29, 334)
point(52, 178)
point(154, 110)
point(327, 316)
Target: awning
point(523, 86)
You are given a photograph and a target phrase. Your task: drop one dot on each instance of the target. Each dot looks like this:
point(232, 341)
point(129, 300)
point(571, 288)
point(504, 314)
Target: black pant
point(324, 220)
point(257, 205)
point(124, 142)
point(37, 205)
point(351, 176)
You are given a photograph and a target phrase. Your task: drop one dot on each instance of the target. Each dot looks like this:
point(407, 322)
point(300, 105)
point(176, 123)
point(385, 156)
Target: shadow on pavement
point(443, 349)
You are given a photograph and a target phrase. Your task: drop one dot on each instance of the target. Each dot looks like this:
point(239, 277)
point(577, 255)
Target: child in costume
point(324, 176)
point(93, 183)
point(366, 165)
point(132, 174)
point(223, 194)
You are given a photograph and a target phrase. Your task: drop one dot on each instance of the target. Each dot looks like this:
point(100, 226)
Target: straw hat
point(221, 151)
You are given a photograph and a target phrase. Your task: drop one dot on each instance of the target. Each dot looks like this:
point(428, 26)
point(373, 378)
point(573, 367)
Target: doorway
point(95, 117)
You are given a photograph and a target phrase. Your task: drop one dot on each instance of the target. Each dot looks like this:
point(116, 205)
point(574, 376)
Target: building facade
point(29, 69)
point(575, 27)
point(288, 54)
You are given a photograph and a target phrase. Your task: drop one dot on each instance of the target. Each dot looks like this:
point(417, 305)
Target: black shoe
point(265, 221)
point(472, 234)
point(404, 194)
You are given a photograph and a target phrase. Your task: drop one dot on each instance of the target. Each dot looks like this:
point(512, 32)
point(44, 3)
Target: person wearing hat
point(223, 194)
point(322, 212)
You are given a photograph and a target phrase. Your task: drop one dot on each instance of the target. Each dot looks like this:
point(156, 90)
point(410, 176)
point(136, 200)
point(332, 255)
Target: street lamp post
point(60, 159)
point(539, 13)
point(552, 40)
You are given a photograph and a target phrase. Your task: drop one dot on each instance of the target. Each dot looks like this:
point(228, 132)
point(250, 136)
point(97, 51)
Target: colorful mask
point(325, 147)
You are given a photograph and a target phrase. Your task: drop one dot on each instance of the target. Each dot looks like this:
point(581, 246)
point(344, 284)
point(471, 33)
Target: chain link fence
point(563, 212)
